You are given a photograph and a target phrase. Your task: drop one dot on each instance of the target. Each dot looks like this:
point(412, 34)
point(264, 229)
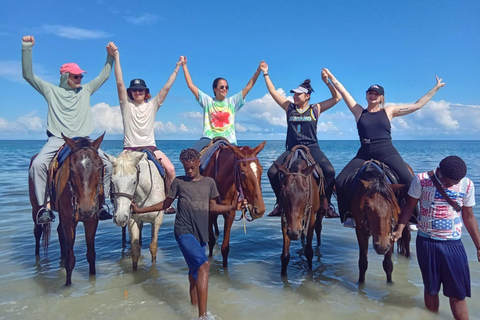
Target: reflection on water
point(251, 287)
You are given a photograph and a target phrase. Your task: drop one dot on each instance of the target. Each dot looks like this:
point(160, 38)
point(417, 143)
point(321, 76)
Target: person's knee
point(272, 172)
point(205, 266)
point(329, 173)
point(169, 169)
point(37, 167)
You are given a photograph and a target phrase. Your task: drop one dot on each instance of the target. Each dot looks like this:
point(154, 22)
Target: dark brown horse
point(237, 173)
point(78, 195)
point(299, 203)
point(375, 210)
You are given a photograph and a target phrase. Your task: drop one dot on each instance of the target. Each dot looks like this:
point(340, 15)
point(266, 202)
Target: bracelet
point(328, 84)
point(175, 71)
point(265, 74)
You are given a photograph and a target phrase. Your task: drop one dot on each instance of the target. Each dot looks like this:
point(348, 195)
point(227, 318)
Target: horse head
point(250, 174)
point(86, 175)
point(124, 184)
point(380, 211)
point(295, 196)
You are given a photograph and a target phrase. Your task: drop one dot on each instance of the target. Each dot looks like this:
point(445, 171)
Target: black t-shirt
point(374, 125)
point(301, 127)
point(193, 205)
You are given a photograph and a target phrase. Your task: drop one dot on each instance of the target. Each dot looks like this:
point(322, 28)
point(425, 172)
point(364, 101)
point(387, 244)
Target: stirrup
point(104, 212)
point(45, 215)
point(276, 212)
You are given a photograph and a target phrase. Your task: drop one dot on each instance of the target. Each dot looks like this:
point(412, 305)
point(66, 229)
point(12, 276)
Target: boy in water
point(441, 256)
point(196, 198)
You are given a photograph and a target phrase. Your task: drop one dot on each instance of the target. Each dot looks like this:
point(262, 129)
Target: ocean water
point(251, 286)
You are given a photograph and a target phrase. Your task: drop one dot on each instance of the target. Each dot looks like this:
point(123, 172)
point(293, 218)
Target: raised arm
point(96, 83)
point(162, 205)
point(327, 104)
point(279, 99)
point(188, 79)
point(27, 66)
point(122, 91)
point(354, 107)
point(471, 224)
point(166, 88)
point(396, 111)
point(251, 83)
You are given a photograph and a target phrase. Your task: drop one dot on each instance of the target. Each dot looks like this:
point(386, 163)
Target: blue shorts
point(444, 262)
point(193, 251)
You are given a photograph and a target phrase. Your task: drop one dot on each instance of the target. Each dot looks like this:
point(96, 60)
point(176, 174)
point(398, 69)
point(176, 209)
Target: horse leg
point(388, 265)
point(215, 226)
point(135, 246)
point(37, 232)
point(61, 240)
point(285, 257)
point(90, 231)
point(140, 228)
point(212, 219)
point(362, 239)
point(124, 237)
point(69, 230)
point(226, 237)
point(404, 242)
point(308, 246)
point(318, 228)
point(154, 243)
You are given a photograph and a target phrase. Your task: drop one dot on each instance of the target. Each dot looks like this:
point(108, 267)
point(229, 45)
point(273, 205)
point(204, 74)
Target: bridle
point(129, 196)
point(307, 212)
point(74, 198)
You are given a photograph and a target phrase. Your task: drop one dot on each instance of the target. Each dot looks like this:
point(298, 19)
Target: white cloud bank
point(73, 32)
point(263, 119)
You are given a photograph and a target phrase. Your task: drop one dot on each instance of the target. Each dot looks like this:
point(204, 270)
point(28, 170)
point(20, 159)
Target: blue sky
point(401, 45)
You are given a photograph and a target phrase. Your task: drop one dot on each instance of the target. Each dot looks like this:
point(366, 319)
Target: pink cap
point(72, 68)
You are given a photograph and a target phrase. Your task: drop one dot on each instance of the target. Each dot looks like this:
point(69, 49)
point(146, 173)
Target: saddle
point(353, 179)
point(207, 152)
point(303, 152)
point(158, 163)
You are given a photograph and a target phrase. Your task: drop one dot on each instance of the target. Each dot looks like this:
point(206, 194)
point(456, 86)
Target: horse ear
point(280, 168)
point(365, 183)
point(399, 189)
point(259, 148)
point(138, 156)
point(308, 170)
point(112, 159)
point(98, 141)
point(69, 142)
point(236, 150)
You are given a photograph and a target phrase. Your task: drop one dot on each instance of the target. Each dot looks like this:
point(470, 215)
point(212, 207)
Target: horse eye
point(243, 173)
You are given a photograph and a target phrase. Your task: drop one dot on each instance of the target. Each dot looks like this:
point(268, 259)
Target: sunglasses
point(77, 76)
point(223, 87)
point(138, 90)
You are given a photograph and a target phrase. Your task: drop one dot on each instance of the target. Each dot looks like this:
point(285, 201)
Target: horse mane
point(295, 167)
point(83, 142)
point(378, 185)
point(124, 164)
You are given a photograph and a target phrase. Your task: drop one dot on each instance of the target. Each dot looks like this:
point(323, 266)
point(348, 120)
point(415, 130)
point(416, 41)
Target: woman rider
point(219, 112)
point(374, 129)
point(138, 114)
point(302, 120)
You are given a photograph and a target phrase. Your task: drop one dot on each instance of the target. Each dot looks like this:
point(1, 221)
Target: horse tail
point(46, 236)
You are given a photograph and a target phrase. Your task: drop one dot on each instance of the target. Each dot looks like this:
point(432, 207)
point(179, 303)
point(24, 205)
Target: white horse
point(136, 178)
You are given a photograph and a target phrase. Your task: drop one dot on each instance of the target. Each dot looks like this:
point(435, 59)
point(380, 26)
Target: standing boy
point(440, 252)
point(196, 198)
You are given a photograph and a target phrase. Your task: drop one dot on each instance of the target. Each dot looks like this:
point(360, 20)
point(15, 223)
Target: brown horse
point(237, 173)
point(78, 195)
point(299, 203)
point(375, 210)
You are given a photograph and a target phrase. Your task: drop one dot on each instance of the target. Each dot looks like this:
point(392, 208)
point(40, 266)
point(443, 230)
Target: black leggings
point(320, 158)
point(384, 152)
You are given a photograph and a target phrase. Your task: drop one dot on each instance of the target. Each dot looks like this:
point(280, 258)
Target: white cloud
point(27, 124)
point(192, 115)
point(73, 32)
point(11, 70)
point(146, 18)
point(183, 128)
point(107, 118)
point(240, 128)
point(265, 111)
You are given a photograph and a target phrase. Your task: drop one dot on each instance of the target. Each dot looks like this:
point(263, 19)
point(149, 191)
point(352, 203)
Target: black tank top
point(301, 127)
point(374, 126)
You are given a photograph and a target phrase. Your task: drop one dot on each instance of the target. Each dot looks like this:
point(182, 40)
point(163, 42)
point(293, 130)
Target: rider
point(219, 112)
point(374, 129)
point(138, 116)
point(68, 113)
point(302, 120)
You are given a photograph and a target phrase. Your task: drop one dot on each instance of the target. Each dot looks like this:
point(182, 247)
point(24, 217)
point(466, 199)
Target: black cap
point(377, 88)
point(138, 84)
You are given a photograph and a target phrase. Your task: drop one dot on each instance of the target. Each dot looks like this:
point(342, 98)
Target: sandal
point(331, 213)
point(276, 212)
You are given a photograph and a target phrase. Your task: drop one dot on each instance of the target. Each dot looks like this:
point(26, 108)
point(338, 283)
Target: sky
point(401, 45)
